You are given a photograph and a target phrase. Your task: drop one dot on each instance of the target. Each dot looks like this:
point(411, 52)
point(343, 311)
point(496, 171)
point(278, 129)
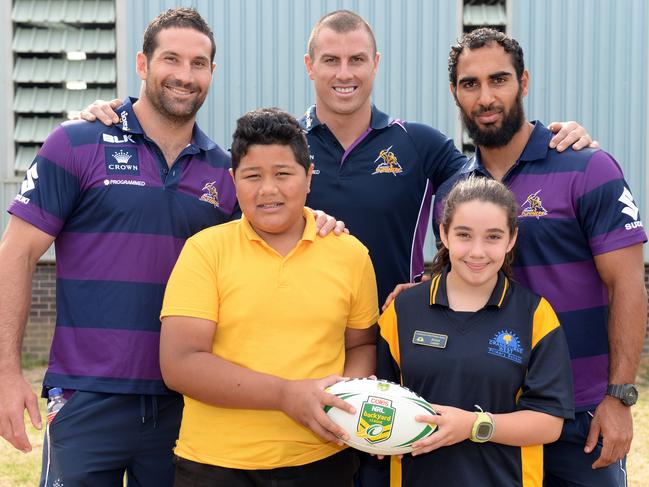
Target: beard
point(495, 136)
point(165, 103)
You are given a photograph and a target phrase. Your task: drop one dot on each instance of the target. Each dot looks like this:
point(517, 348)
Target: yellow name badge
point(427, 339)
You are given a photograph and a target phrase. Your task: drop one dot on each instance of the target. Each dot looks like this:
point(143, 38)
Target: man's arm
point(360, 352)
point(623, 273)
point(21, 246)
point(189, 367)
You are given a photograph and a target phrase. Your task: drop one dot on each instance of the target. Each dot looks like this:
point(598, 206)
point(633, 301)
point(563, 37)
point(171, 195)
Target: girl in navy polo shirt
point(487, 353)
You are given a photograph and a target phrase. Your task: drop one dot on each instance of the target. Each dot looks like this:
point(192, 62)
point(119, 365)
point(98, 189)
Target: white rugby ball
point(384, 422)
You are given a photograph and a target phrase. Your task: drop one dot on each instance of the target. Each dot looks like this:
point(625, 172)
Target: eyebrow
point(491, 230)
point(499, 74)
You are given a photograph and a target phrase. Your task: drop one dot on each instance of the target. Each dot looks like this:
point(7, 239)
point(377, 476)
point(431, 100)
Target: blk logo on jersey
point(389, 164)
point(506, 344)
point(533, 207)
point(122, 160)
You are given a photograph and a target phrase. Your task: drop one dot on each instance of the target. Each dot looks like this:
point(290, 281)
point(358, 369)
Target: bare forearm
point(524, 428)
point(360, 361)
point(626, 330)
point(213, 380)
point(15, 299)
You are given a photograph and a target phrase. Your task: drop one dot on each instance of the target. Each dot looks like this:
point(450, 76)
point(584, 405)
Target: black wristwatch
point(627, 393)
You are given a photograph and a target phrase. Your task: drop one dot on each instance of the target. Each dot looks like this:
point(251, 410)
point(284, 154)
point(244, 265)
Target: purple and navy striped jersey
point(120, 216)
point(573, 206)
point(382, 188)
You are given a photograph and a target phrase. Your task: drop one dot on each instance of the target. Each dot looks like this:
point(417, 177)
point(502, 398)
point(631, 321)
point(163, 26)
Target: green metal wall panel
point(588, 62)
point(90, 41)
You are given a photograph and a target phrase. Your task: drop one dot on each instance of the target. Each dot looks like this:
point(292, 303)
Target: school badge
point(376, 420)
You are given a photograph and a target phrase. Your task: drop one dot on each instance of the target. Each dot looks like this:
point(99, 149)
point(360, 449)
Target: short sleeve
point(547, 387)
point(606, 208)
point(50, 191)
point(364, 303)
point(192, 289)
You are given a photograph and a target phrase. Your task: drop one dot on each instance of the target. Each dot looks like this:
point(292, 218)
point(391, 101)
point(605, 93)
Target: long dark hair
point(481, 189)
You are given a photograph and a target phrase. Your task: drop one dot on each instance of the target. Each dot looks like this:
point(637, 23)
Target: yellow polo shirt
point(284, 316)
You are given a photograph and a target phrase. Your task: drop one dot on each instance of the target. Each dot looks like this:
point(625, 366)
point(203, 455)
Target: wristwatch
point(483, 427)
point(627, 393)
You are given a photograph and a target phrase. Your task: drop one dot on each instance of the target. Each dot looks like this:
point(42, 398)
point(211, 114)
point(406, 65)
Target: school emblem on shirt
point(506, 344)
point(389, 163)
point(122, 160)
point(211, 195)
point(376, 420)
point(533, 206)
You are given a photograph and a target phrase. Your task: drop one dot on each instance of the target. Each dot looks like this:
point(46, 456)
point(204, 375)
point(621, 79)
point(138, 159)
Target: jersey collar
point(378, 120)
point(439, 296)
point(536, 149)
point(129, 124)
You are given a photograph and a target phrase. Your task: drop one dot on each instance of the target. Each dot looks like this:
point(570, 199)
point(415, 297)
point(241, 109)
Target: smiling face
point(477, 240)
point(343, 68)
point(271, 188)
point(178, 74)
point(489, 95)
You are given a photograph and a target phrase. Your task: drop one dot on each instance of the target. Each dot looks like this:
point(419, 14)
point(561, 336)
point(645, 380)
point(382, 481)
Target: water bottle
point(55, 403)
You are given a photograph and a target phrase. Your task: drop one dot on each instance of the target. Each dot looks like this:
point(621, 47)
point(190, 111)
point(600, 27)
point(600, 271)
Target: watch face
point(630, 396)
point(484, 431)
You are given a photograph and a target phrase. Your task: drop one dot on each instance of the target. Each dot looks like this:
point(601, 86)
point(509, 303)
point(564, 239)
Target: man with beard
point(119, 203)
point(579, 245)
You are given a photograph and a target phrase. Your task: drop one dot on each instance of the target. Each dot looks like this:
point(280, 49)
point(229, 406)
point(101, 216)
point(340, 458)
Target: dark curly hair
point(180, 18)
point(480, 38)
point(267, 126)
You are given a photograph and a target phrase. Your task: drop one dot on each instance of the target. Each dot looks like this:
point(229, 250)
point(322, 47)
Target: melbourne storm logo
point(534, 206)
point(211, 195)
point(506, 344)
point(390, 165)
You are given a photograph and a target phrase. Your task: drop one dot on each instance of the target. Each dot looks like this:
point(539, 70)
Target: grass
point(23, 470)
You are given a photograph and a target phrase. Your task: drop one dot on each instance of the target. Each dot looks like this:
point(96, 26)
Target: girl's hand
point(453, 426)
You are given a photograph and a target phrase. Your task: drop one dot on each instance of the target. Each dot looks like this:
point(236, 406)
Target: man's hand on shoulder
point(568, 134)
point(101, 110)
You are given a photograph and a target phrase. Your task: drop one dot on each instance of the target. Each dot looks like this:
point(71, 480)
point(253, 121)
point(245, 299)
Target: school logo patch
point(506, 344)
point(121, 160)
point(390, 164)
point(533, 207)
point(376, 420)
point(211, 195)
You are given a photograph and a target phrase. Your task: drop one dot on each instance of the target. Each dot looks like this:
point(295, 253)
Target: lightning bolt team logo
point(533, 207)
point(390, 164)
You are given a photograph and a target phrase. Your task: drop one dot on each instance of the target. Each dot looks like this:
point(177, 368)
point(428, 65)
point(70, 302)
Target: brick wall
point(38, 335)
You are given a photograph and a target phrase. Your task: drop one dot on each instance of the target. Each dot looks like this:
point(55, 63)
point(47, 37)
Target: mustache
point(489, 108)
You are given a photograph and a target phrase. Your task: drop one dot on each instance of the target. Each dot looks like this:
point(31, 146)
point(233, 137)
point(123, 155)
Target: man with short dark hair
point(580, 246)
point(252, 356)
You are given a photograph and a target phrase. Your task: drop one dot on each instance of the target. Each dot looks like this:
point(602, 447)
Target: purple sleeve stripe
point(601, 169)
point(129, 257)
point(57, 149)
point(419, 237)
point(120, 354)
point(617, 239)
point(36, 216)
point(590, 376)
point(557, 283)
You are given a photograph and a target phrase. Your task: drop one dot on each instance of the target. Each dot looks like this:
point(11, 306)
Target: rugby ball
point(384, 422)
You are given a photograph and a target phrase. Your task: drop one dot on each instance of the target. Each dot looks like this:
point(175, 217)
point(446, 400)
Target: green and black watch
point(627, 393)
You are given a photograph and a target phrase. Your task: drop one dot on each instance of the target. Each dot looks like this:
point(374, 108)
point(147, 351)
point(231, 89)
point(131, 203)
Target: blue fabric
point(96, 438)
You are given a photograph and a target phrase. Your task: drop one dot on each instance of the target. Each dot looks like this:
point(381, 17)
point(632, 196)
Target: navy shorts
point(566, 464)
point(95, 439)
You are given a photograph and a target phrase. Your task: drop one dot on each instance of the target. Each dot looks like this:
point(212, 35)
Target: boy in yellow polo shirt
point(260, 316)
